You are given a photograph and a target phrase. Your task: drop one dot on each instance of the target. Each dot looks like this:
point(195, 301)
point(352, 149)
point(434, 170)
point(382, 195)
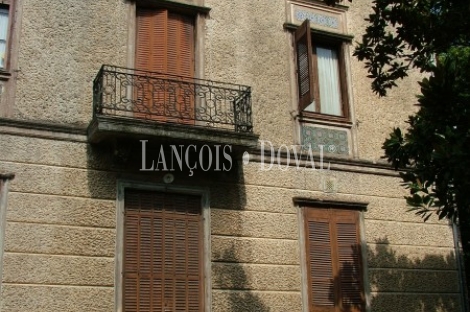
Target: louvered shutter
point(162, 252)
point(348, 254)
point(320, 260)
point(180, 62)
point(152, 39)
point(304, 52)
point(165, 47)
point(334, 260)
point(343, 80)
point(151, 58)
point(180, 53)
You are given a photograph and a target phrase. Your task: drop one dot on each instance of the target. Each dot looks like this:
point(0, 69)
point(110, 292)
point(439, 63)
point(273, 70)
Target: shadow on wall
point(123, 160)
point(399, 283)
point(232, 276)
point(228, 270)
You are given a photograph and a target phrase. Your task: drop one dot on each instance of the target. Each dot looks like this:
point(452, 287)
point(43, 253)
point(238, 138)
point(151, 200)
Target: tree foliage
point(435, 148)
point(433, 153)
point(432, 36)
point(405, 34)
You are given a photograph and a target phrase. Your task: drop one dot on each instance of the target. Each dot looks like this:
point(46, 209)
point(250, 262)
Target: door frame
point(122, 185)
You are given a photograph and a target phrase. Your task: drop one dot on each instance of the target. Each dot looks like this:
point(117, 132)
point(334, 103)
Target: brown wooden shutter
point(319, 251)
point(165, 42)
point(180, 45)
point(150, 57)
point(304, 52)
point(348, 253)
point(162, 266)
point(343, 79)
point(180, 58)
point(165, 46)
point(334, 260)
point(151, 42)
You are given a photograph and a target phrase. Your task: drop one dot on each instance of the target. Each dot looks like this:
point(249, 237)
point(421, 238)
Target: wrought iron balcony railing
point(161, 97)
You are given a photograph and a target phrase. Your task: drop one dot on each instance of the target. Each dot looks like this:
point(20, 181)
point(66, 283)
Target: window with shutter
point(321, 75)
point(333, 260)
point(165, 51)
point(303, 46)
point(162, 267)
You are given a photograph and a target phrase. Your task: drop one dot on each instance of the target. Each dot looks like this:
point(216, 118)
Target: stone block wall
point(60, 238)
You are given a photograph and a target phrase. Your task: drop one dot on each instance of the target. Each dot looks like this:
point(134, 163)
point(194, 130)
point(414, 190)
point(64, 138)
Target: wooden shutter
point(165, 46)
point(180, 57)
point(180, 62)
point(334, 260)
point(344, 79)
point(150, 58)
point(320, 261)
point(304, 52)
point(162, 267)
point(152, 41)
point(348, 254)
point(165, 42)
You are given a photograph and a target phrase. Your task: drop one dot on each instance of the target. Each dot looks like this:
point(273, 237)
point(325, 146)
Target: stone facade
point(61, 232)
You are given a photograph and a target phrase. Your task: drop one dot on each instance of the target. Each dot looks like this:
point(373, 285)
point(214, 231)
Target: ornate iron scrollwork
point(162, 97)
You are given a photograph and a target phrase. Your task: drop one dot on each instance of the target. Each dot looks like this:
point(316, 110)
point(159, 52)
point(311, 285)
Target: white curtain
point(329, 81)
point(3, 35)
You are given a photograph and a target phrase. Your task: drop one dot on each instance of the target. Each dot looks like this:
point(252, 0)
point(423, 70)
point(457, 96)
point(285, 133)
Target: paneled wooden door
point(165, 55)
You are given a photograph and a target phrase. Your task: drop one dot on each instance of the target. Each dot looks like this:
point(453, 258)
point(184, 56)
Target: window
point(165, 42)
point(6, 8)
point(163, 243)
point(3, 34)
point(321, 76)
point(165, 52)
point(333, 257)
point(10, 24)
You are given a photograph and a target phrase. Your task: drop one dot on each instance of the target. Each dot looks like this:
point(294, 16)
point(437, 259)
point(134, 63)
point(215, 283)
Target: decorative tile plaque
point(334, 141)
point(323, 18)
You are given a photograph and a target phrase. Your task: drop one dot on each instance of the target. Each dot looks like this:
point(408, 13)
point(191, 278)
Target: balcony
point(132, 103)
